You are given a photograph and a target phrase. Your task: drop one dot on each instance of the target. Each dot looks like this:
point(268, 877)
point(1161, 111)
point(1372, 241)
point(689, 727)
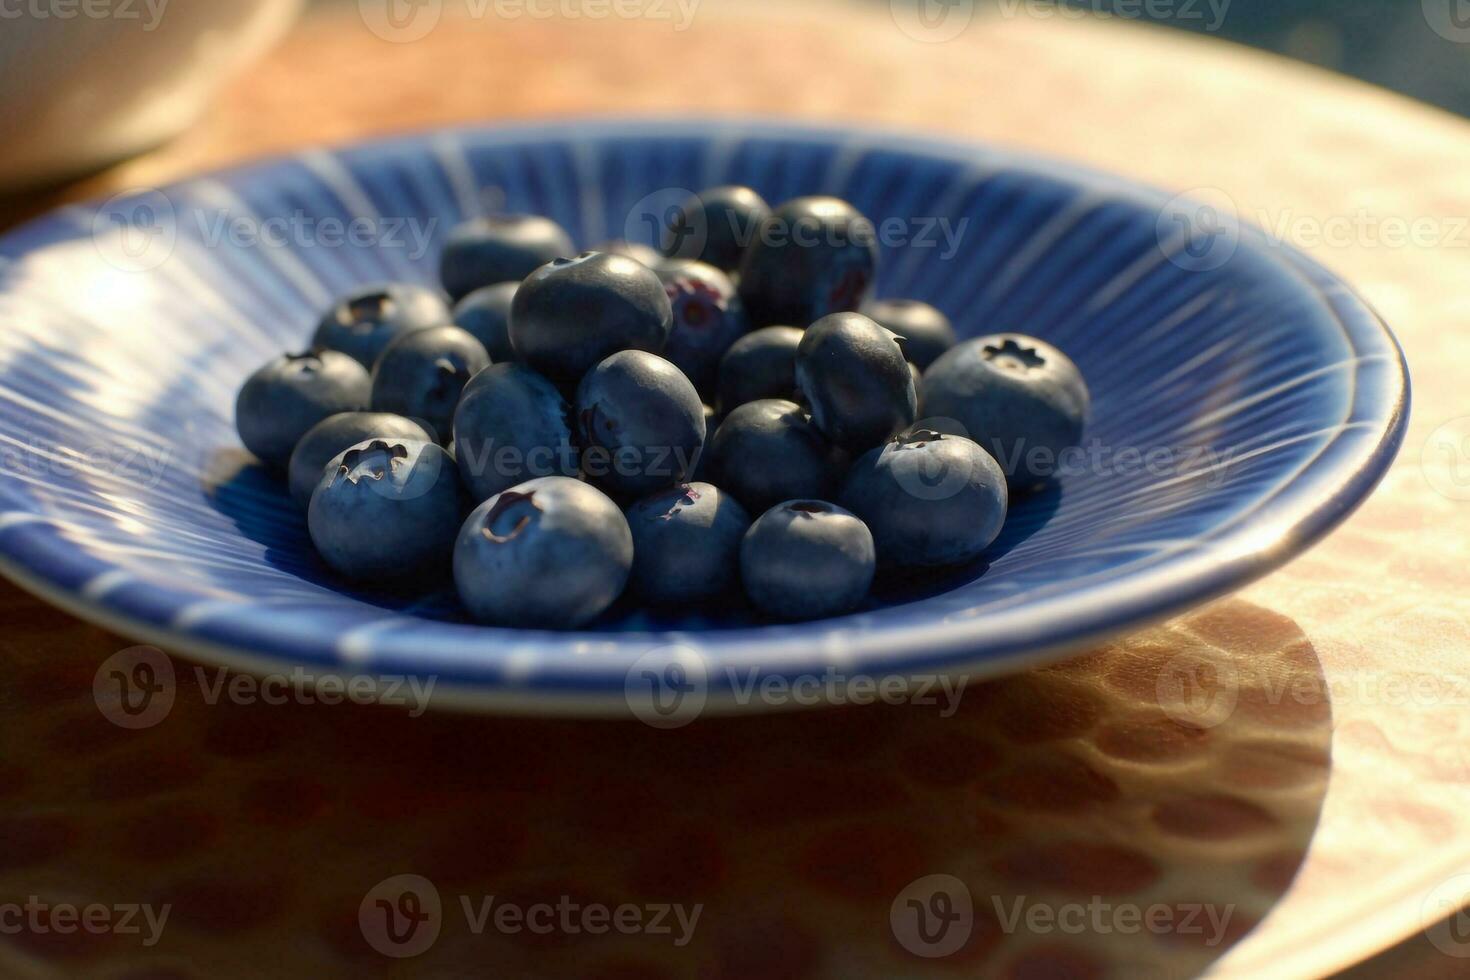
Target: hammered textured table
point(1327, 813)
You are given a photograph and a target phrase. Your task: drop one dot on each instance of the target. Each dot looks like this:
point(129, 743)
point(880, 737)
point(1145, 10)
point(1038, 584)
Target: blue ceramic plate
point(1245, 400)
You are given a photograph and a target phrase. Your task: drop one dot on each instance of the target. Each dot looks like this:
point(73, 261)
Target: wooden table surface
point(264, 827)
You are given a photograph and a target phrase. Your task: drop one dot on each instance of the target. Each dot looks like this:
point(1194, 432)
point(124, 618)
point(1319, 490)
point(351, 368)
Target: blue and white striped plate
point(1245, 400)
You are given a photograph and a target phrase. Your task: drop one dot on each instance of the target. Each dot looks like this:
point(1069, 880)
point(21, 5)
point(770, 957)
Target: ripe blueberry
point(926, 333)
point(368, 319)
point(281, 401)
point(686, 543)
point(855, 378)
point(768, 451)
point(806, 559)
point(507, 248)
point(420, 375)
point(641, 423)
point(812, 257)
point(511, 425)
point(337, 434)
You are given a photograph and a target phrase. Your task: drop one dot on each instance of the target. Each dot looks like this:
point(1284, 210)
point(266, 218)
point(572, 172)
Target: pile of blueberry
point(679, 423)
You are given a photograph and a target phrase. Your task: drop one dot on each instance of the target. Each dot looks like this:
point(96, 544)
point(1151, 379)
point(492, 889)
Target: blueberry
point(806, 559)
point(282, 400)
point(421, 374)
point(812, 257)
point(856, 380)
point(708, 318)
point(762, 364)
point(507, 248)
point(387, 510)
point(926, 332)
point(511, 425)
point(366, 320)
point(768, 451)
point(571, 313)
point(485, 315)
point(686, 543)
point(551, 553)
point(715, 226)
point(641, 423)
point(1020, 398)
point(337, 434)
point(929, 499)
point(646, 254)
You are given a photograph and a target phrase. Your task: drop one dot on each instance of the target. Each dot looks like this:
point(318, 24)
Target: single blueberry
point(507, 248)
point(707, 319)
point(1020, 398)
point(930, 499)
point(511, 425)
point(715, 226)
point(550, 553)
point(637, 251)
point(387, 511)
point(281, 401)
point(485, 315)
point(768, 451)
point(855, 378)
point(812, 257)
point(762, 364)
point(806, 559)
point(420, 375)
point(640, 422)
point(571, 313)
point(926, 333)
point(686, 544)
point(337, 434)
point(370, 318)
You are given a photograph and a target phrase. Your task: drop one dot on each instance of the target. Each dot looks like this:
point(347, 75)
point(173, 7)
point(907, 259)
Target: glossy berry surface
point(281, 401)
point(367, 320)
point(640, 423)
point(551, 553)
point(926, 333)
point(761, 364)
point(929, 499)
point(646, 254)
point(715, 226)
point(856, 381)
point(708, 318)
point(1020, 398)
point(337, 434)
point(686, 544)
point(768, 451)
point(506, 248)
point(420, 375)
point(812, 257)
point(572, 313)
point(512, 425)
point(807, 559)
point(485, 315)
point(387, 510)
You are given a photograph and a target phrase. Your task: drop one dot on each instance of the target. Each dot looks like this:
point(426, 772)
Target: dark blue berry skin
point(708, 318)
point(854, 376)
point(640, 422)
point(1020, 398)
point(387, 511)
point(551, 553)
point(926, 333)
point(807, 559)
point(761, 364)
point(485, 315)
point(768, 451)
point(512, 425)
point(686, 544)
point(715, 226)
point(812, 257)
point(366, 320)
point(646, 254)
point(420, 375)
point(281, 401)
point(507, 248)
point(930, 499)
point(572, 313)
point(337, 434)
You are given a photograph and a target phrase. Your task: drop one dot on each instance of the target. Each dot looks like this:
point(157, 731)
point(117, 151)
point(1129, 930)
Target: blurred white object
point(84, 85)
